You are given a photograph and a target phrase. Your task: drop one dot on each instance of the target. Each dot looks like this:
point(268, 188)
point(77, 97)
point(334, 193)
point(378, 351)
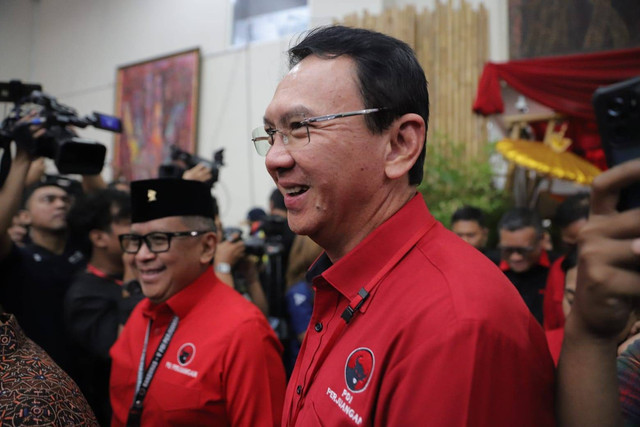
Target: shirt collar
point(543, 260)
point(377, 254)
point(181, 303)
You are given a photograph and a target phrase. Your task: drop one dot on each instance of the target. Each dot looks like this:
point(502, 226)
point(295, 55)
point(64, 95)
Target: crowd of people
point(135, 306)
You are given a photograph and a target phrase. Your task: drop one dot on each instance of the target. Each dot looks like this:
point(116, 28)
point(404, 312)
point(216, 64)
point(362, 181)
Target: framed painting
point(157, 101)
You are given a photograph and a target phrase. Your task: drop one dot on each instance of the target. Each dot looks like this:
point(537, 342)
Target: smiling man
point(402, 332)
point(195, 352)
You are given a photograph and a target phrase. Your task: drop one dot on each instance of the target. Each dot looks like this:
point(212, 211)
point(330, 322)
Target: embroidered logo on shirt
point(186, 352)
point(358, 369)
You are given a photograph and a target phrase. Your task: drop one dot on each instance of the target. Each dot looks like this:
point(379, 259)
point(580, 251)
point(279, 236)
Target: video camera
point(71, 154)
point(172, 170)
point(268, 239)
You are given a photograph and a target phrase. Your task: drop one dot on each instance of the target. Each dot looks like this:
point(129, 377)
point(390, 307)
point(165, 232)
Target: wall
point(73, 48)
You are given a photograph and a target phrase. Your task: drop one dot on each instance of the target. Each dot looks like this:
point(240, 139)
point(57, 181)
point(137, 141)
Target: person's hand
point(24, 134)
point(609, 258)
point(18, 231)
point(229, 252)
point(36, 171)
point(633, 336)
point(199, 172)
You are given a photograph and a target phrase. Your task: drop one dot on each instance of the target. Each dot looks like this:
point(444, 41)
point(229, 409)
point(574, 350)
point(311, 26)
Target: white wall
point(74, 47)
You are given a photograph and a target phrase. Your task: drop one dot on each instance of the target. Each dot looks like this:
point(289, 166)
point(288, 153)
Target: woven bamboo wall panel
point(451, 43)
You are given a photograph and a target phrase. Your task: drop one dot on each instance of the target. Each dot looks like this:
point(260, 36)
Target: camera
point(267, 240)
point(71, 154)
point(179, 161)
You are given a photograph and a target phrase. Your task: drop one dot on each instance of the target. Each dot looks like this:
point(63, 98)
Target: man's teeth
point(296, 190)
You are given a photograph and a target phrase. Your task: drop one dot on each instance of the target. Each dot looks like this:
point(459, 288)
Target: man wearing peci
point(195, 352)
point(411, 325)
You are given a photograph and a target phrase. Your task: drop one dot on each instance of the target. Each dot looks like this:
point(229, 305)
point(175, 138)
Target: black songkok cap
point(159, 198)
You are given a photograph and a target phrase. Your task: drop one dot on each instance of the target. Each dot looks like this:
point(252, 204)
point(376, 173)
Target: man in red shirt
point(195, 352)
point(411, 325)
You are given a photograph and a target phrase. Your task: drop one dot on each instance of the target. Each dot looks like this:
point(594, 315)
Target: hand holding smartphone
point(617, 109)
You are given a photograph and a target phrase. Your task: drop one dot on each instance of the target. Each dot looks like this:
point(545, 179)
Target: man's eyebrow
point(295, 112)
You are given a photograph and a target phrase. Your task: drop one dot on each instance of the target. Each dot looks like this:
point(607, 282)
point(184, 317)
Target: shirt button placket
point(318, 327)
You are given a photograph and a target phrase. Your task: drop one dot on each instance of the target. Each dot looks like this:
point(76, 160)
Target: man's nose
point(144, 253)
point(278, 157)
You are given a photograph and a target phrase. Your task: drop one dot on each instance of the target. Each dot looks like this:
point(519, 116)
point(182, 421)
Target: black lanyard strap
point(144, 378)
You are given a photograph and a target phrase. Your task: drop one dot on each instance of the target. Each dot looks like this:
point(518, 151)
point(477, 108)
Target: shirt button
point(318, 327)
point(299, 389)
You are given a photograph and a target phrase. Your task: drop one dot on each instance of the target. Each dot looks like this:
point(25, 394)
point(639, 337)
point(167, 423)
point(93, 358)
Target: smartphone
point(617, 109)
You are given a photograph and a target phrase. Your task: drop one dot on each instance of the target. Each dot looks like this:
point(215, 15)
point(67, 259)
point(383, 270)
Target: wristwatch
point(223, 267)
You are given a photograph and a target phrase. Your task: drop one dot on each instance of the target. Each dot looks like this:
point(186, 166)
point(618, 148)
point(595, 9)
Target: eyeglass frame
point(304, 122)
point(168, 234)
point(520, 250)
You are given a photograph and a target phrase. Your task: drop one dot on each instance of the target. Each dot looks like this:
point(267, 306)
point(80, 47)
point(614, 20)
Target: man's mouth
point(148, 273)
point(296, 191)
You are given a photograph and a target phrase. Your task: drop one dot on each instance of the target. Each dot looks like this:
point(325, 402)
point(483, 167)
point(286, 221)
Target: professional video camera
point(267, 240)
point(71, 154)
point(173, 167)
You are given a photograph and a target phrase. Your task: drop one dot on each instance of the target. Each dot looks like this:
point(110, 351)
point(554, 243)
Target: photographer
point(35, 277)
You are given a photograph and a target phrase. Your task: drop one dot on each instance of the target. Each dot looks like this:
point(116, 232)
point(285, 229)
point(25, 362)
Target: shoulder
point(444, 279)
point(220, 302)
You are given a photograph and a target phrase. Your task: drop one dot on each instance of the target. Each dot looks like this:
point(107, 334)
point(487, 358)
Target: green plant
point(451, 181)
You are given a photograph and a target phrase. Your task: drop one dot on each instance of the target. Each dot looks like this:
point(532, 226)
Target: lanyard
point(99, 273)
point(144, 378)
point(353, 308)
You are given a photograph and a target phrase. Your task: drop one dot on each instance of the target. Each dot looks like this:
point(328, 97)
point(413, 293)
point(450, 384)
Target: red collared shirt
point(443, 338)
point(222, 366)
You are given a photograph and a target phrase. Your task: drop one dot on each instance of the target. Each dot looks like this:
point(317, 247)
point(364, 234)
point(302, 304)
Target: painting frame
point(158, 102)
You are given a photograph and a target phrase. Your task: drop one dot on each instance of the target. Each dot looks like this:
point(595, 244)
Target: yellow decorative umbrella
point(548, 158)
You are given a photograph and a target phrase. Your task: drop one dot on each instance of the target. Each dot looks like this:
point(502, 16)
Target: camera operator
point(35, 277)
point(231, 264)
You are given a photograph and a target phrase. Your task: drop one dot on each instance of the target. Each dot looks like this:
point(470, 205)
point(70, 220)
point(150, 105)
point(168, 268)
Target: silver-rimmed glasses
point(297, 135)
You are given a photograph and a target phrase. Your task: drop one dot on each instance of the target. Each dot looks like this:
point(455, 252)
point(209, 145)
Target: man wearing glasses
point(195, 352)
point(523, 259)
point(411, 325)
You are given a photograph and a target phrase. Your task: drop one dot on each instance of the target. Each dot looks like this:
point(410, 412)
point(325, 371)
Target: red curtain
point(564, 84)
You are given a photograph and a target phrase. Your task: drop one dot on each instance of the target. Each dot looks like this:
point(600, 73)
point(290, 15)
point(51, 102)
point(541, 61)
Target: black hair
point(389, 75)
point(469, 213)
point(97, 211)
point(277, 199)
point(572, 209)
point(72, 187)
point(519, 218)
point(216, 208)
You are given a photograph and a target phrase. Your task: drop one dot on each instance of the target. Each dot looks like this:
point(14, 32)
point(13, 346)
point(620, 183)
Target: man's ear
point(209, 243)
point(98, 238)
point(406, 140)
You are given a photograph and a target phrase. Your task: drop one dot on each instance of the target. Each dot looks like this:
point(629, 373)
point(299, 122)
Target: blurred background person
point(570, 217)
point(299, 294)
point(524, 261)
point(101, 297)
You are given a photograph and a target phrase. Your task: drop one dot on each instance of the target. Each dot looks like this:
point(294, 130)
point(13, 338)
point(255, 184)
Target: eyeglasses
point(297, 135)
point(157, 241)
point(520, 250)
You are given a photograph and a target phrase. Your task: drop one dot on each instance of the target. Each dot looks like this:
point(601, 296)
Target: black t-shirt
point(94, 309)
point(531, 284)
point(33, 283)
